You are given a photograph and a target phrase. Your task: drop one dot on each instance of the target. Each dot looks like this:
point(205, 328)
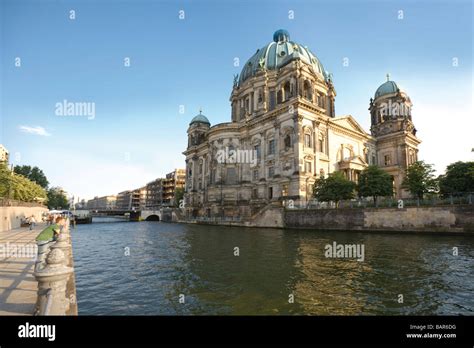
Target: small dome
point(200, 119)
point(388, 87)
point(277, 54)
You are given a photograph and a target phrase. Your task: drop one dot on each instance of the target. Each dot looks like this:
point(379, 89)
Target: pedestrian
point(32, 221)
point(61, 222)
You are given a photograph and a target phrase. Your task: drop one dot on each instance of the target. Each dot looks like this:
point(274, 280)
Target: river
point(151, 268)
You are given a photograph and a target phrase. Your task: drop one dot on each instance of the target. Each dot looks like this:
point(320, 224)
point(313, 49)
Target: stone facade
point(449, 219)
point(284, 134)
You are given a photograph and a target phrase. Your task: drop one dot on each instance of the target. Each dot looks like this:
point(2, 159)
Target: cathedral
point(284, 134)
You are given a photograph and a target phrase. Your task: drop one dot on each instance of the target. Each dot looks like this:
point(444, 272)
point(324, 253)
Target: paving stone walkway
point(17, 284)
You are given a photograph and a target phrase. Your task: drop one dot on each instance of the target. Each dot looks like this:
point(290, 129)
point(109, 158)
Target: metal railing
point(461, 198)
point(215, 219)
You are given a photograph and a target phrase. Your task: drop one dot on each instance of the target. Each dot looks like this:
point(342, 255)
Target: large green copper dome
point(277, 54)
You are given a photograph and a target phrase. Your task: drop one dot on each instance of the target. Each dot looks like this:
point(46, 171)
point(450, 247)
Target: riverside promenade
point(37, 279)
point(18, 286)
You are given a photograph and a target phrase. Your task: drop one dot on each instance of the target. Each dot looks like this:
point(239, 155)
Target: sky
point(181, 57)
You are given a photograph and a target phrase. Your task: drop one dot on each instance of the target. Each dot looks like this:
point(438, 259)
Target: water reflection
point(166, 260)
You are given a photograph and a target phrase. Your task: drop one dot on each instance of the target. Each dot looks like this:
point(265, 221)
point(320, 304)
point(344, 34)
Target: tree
point(34, 174)
point(178, 195)
point(374, 182)
point(459, 178)
point(18, 187)
point(420, 179)
point(57, 199)
point(334, 188)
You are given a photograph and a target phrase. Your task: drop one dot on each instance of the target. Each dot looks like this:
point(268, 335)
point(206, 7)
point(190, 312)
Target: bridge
point(167, 214)
point(160, 214)
point(134, 215)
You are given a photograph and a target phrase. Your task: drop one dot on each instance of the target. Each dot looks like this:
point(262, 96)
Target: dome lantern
point(281, 35)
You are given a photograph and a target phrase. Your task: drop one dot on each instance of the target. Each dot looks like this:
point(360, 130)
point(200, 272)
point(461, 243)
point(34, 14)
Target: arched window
point(307, 140)
point(256, 149)
point(321, 101)
point(307, 91)
point(271, 147)
point(321, 143)
point(287, 91)
point(287, 142)
point(411, 157)
point(272, 100)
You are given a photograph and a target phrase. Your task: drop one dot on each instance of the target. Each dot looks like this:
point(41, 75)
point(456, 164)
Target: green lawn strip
point(48, 233)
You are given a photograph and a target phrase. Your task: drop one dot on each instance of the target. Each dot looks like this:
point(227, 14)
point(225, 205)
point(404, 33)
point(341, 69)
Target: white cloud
point(86, 176)
point(38, 130)
point(446, 133)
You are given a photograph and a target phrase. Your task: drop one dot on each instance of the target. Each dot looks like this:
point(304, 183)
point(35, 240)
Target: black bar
point(241, 330)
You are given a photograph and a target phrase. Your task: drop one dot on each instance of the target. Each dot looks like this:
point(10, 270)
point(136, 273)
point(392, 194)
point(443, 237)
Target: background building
point(154, 194)
point(102, 203)
point(124, 200)
point(174, 180)
point(139, 198)
point(4, 155)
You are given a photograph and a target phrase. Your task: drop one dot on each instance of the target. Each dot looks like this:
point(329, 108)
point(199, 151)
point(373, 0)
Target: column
point(204, 184)
point(193, 176)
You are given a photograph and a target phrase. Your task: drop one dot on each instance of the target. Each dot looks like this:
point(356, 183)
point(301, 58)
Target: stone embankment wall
point(449, 219)
point(269, 216)
point(10, 217)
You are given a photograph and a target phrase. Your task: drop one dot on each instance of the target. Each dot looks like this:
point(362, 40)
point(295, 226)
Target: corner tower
point(197, 149)
point(393, 129)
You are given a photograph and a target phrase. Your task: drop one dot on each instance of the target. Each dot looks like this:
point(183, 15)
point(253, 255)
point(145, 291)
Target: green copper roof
point(277, 54)
point(387, 87)
point(200, 119)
